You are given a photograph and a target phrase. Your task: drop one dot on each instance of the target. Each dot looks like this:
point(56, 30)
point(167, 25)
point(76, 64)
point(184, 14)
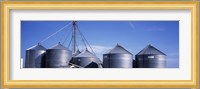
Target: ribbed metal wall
point(150, 57)
point(117, 61)
point(118, 57)
point(151, 61)
point(134, 63)
point(58, 57)
point(35, 57)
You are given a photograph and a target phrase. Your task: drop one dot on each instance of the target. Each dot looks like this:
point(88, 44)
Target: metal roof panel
point(148, 50)
point(86, 53)
point(59, 46)
point(118, 49)
point(37, 47)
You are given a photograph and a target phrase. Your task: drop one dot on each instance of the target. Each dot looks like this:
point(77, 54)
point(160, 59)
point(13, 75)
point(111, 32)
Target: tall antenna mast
point(74, 36)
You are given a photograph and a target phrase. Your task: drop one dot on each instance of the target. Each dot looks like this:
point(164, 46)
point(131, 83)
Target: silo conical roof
point(86, 53)
point(37, 47)
point(149, 50)
point(59, 46)
point(118, 49)
point(77, 53)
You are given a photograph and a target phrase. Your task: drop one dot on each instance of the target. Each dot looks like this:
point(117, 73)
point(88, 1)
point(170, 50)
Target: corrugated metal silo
point(118, 57)
point(134, 63)
point(150, 57)
point(73, 56)
point(35, 57)
point(87, 59)
point(58, 57)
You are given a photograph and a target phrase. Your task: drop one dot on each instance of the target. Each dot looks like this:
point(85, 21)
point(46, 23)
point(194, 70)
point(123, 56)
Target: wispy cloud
point(172, 55)
point(98, 49)
point(172, 63)
point(172, 60)
point(156, 29)
point(132, 25)
point(153, 28)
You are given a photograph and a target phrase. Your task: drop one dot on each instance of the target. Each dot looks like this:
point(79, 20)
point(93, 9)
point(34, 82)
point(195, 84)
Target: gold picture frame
point(7, 83)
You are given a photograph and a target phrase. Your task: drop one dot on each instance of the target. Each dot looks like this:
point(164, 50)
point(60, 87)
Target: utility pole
point(74, 36)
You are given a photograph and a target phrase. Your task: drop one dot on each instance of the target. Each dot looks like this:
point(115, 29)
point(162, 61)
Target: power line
point(64, 35)
point(86, 40)
point(55, 33)
point(67, 36)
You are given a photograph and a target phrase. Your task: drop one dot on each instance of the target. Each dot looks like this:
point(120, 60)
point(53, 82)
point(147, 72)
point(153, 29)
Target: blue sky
point(104, 35)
